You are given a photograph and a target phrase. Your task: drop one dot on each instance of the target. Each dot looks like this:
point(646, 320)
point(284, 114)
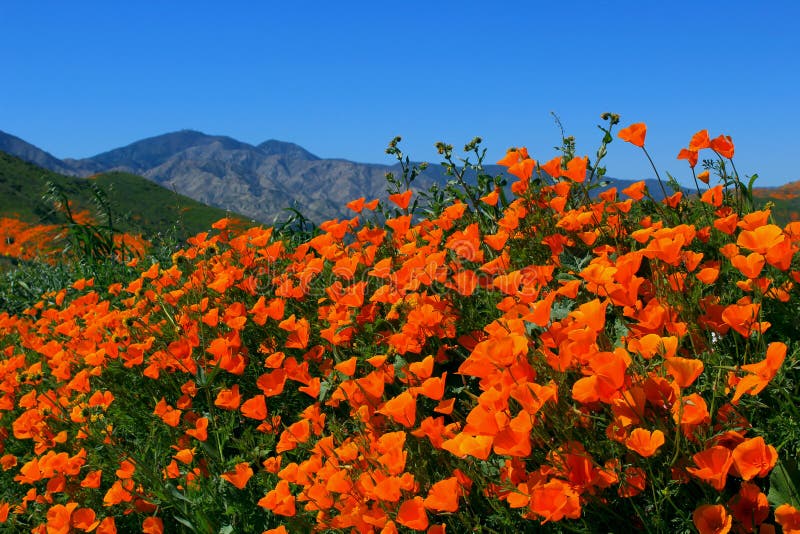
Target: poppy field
point(540, 355)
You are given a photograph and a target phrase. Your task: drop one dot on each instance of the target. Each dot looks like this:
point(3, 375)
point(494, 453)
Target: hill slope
point(140, 205)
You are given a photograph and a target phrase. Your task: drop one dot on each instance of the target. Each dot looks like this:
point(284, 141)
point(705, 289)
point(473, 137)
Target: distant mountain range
point(258, 181)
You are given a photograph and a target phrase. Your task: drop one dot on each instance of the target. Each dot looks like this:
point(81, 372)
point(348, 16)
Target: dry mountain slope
point(257, 181)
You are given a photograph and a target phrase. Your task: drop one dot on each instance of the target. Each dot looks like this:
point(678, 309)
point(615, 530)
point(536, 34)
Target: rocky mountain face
point(258, 181)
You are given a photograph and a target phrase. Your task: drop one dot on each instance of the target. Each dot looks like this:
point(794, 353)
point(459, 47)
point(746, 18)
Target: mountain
point(152, 152)
point(292, 151)
point(24, 150)
point(258, 181)
point(138, 204)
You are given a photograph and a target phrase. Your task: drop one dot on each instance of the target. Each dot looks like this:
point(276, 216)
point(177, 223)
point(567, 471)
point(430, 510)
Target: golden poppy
point(634, 134)
point(712, 519)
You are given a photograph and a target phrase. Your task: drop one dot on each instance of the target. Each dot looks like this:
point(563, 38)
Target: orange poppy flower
point(463, 445)
point(713, 465)
point(433, 387)
point(255, 408)
point(708, 275)
point(754, 458)
point(673, 200)
point(279, 500)
point(743, 318)
point(651, 344)
point(750, 506)
point(465, 281)
point(704, 177)
point(92, 479)
point(727, 225)
point(749, 265)
point(272, 384)
point(299, 331)
point(689, 155)
point(780, 256)
point(239, 476)
point(634, 134)
point(443, 496)
point(356, 205)
point(712, 519)
point(684, 370)
point(153, 525)
point(58, 518)
point(402, 409)
point(107, 526)
point(553, 167)
point(723, 145)
point(576, 169)
point(412, 514)
point(761, 373)
point(167, 413)
point(200, 430)
point(788, 517)
point(609, 376)
point(228, 399)
point(445, 406)
point(644, 442)
point(85, 519)
point(761, 239)
point(699, 141)
point(636, 190)
point(515, 439)
point(491, 198)
point(126, 469)
point(401, 199)
point(184, 456)
point(713, 196)
point(117, 494)
point(523, 169)
point(555, 500)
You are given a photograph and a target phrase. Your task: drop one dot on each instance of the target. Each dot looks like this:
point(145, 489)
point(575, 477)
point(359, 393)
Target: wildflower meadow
point(530, 353)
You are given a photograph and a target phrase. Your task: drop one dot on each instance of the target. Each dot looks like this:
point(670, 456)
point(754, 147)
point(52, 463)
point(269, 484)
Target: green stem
point(658, 177)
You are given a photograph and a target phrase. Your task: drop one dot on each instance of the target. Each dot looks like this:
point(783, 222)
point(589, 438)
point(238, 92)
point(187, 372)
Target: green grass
point(138, 205)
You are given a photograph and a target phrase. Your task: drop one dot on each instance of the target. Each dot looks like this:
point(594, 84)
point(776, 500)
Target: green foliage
point(139, 205)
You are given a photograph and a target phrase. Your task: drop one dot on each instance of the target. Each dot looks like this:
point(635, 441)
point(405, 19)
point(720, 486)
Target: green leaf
point(324, 388)
point(175, 493)
point(185, 522)
point(784, 484)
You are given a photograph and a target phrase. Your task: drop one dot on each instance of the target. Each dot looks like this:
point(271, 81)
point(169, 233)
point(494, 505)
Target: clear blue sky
point(342, 78)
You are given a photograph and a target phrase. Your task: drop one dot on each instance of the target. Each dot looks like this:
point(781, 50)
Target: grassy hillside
point(785, 201)
point(138, 205)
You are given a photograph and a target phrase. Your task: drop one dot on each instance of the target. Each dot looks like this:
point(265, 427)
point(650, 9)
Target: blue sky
point(343, 78)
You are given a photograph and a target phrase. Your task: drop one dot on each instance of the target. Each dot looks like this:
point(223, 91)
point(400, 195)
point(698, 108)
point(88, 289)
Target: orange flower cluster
point(45, 242)
point(27, 241)
point(376, 377)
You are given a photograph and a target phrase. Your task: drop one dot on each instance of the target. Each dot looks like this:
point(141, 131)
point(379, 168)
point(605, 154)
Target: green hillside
point(137, 204)
point(784, 201)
